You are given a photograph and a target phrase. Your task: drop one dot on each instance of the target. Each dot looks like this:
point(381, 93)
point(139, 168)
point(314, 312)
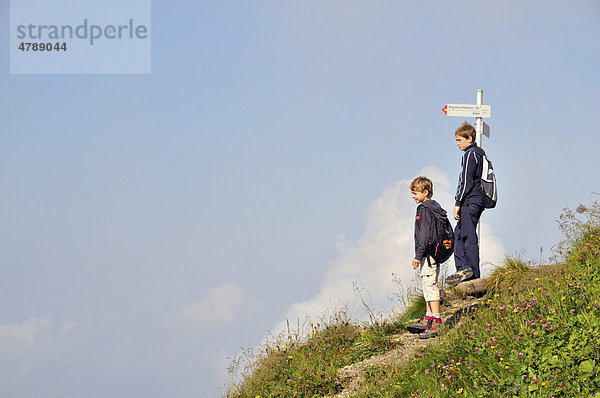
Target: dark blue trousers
point(466, 244)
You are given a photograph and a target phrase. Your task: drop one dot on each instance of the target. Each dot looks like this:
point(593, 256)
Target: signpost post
point(479, 111)
point(479, 119)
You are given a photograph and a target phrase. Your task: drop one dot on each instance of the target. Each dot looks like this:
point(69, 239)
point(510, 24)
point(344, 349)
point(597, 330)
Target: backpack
point(441, 243)
point(488, 184)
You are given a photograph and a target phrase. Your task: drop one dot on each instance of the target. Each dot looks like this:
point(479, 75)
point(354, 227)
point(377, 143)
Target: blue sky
point(151, 225)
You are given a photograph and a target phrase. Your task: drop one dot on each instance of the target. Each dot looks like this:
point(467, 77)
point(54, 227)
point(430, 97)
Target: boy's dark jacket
point(423, 223)
point(469, 180)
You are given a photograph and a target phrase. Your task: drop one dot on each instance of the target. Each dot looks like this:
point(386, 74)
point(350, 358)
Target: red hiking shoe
point(433, 330)
point(423, 325)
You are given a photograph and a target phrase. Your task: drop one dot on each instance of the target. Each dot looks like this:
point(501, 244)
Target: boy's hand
point(456, 212)
point(415, 263)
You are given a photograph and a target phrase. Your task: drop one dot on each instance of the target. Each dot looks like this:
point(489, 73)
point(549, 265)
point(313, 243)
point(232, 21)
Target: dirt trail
point(404, 349)
point(407, 344)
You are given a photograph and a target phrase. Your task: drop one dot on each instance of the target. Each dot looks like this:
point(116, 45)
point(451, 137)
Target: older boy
point(468, 207)
point(429, 270)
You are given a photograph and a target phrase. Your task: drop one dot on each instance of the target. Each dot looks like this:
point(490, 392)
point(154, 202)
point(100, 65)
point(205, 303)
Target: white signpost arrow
point(464, 110)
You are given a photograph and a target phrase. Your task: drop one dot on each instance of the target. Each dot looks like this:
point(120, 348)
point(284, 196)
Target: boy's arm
point(466, 180)
point(421, 233)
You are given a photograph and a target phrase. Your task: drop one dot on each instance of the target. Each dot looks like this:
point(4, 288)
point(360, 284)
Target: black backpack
point(441, 242)
point(488, 184)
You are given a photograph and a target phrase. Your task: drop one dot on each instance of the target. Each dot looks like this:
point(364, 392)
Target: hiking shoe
point(458, 277)
point(423, 325)
point(433, 331)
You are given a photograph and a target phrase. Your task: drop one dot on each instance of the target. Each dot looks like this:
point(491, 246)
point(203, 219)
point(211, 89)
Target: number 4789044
point(43, 46)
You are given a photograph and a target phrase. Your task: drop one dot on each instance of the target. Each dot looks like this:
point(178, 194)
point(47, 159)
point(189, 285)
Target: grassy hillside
point(535, 334)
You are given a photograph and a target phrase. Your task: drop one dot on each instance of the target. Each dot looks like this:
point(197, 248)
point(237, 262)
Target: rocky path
point(403, 352)
point(405, 346)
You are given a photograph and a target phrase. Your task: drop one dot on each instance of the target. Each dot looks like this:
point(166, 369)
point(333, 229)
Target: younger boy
point(468, 207)
point(429, 270)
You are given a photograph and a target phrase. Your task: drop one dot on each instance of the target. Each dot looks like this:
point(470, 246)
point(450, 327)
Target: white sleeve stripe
point(463, 178)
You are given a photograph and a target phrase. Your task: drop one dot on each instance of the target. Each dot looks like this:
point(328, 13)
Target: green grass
point(308, 367)
point(415, 309)
point(535, 334)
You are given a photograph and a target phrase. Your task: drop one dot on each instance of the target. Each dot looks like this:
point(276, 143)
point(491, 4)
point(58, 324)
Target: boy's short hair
point(466, 130)
point(421, 184)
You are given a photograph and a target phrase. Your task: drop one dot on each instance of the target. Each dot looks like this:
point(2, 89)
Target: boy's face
point(463, 142)
point(420, 197)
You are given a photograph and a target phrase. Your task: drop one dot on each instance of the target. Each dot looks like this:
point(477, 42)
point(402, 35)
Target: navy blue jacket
point(469, 180)
point(423, 225)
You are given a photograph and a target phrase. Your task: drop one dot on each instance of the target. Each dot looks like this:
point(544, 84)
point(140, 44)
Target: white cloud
point(27, 345)
point(18, 339)
point(380, 260)
point(193, 341)
point(221, 306)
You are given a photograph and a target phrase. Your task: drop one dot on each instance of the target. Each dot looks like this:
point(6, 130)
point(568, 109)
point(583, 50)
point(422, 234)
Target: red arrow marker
point(444, 109)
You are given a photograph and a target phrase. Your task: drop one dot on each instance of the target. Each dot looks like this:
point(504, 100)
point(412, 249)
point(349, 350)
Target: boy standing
point(468, 207)
point(429, 270)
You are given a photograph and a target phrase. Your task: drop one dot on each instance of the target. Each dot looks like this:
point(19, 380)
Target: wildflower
point(572, 310)
point(459, 391)
point(426, 372)
point(290, 357)
point(506, 367)
point(536, 279)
